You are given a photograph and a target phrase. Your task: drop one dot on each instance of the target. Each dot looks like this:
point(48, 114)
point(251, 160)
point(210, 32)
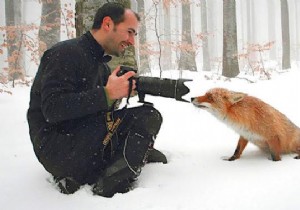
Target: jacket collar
point(96, 49)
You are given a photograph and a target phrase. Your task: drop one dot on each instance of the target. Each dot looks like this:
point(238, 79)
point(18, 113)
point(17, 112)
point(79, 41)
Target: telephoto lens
point(155, 86)
point(162, 87)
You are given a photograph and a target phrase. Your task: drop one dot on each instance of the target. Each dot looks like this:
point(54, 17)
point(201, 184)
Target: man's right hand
point(117, 87)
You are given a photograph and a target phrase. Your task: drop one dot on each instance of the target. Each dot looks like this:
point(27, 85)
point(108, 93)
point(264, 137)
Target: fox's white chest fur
point(240, 129)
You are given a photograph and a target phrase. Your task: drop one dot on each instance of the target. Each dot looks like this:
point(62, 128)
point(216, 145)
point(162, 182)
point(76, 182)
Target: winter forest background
point(254, 37)
point(251, 46)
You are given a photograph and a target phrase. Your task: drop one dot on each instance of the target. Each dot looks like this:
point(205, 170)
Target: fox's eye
point(209, 97)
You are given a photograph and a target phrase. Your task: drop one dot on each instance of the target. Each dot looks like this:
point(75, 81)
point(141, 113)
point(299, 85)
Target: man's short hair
point(113, 10)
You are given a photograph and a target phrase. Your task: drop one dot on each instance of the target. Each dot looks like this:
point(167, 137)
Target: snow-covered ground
point(196, 177)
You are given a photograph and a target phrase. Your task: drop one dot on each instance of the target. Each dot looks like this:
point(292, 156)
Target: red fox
point(254, 120)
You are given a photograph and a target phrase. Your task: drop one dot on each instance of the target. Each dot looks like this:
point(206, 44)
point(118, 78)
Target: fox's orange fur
point(255, 121)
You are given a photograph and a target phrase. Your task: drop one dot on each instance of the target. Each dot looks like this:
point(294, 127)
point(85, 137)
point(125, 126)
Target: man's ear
point(107, 22)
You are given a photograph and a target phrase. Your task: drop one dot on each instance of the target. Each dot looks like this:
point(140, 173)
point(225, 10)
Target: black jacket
point(68, 87)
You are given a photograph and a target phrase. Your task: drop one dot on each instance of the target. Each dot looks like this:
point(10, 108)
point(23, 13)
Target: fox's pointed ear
point(236, 97)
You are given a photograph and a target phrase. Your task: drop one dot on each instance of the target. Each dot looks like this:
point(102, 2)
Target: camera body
point(156, 86)
point(124, 70)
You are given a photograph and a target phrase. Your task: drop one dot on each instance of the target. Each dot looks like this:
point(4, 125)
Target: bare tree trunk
point(230, 58)
point(206, 56)
point(215, 41)
point(297, 30)
point(143, 47)
point(187, 56)
point(251, 31)
point(84, 14)
point(285, 29)
point(166, 32)
point(272, 29)
point(14, 39)
point(158, 36)
point(243, 28)
point(49, 32)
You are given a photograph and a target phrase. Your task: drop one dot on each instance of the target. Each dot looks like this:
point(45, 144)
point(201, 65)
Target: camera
point(156, 86)
point(124, 70)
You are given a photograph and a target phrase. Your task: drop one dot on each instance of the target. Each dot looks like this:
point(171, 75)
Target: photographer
point(76, 131)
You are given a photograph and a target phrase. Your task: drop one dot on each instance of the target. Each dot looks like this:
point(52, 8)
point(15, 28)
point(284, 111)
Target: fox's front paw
point(273, 158)
point(232, 158)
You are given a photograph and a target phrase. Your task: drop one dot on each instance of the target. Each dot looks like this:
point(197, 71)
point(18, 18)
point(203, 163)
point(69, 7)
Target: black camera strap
point(129, 90)
point(112, 126)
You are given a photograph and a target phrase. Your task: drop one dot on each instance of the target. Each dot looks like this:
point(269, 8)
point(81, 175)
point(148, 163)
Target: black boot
point(115, 179)
point(125, 167)
point(155, 156)
point(67, 185)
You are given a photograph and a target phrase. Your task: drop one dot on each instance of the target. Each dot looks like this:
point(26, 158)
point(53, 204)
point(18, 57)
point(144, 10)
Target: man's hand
point(117, 87)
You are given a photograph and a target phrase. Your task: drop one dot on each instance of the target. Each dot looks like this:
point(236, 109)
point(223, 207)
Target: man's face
point(122, 35)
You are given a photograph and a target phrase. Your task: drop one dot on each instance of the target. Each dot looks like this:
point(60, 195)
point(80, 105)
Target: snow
point(195, 143)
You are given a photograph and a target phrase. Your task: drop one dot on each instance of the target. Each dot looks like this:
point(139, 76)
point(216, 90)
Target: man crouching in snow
point(77, 132)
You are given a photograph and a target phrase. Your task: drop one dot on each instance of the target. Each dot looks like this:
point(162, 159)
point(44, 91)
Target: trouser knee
point(148, 119)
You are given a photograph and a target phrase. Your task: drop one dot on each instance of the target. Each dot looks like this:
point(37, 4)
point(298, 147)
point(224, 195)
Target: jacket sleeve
point(61, 97)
